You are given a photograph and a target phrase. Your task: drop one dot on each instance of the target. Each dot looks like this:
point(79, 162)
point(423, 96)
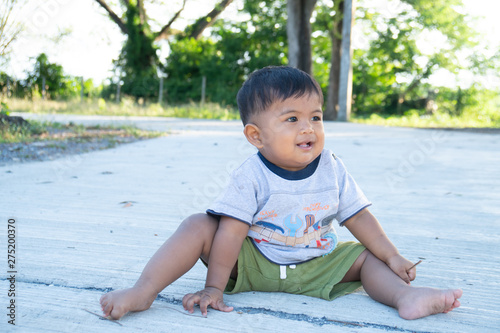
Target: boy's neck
point(303, 173)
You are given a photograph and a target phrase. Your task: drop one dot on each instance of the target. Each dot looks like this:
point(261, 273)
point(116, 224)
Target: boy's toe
point(107, 309)
point(103, 299)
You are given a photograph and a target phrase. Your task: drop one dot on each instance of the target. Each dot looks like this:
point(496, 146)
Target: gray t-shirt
point(290, 213)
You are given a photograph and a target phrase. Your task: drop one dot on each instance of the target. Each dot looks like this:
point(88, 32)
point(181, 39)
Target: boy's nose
point(307, 128)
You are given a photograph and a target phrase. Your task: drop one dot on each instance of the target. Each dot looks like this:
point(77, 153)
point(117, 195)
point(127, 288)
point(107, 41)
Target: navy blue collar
point(291, 175)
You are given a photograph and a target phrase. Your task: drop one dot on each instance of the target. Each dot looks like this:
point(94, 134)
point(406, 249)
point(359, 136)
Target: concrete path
point(87, 224)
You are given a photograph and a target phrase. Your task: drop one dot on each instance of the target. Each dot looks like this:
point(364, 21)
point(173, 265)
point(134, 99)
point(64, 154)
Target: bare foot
point(422, 302)
point(119, 302)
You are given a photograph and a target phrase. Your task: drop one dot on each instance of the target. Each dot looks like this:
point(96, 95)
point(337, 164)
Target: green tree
point(46, 79)
point(138, 64)
point(393, 71)
point(234, 50)
point(57, 84)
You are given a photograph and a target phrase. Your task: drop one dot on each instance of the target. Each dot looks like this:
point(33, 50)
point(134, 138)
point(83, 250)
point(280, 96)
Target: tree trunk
point(139, 61)
point(345, 86)
point(142, 11)
point(299, 33)
point(113, 16)
point(201, 24)
point(332, 99)
point(165, 32)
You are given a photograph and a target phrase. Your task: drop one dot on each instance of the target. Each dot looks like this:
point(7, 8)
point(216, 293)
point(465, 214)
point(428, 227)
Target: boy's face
point(289, 133)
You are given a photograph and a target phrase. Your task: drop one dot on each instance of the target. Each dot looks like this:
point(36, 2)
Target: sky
point(79, 35)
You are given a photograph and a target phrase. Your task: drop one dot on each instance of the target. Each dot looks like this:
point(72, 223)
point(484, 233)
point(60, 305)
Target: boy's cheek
point(272, 133)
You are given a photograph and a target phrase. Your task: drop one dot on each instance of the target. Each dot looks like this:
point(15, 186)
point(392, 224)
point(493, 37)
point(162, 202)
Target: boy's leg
point(384, 286)
point(192, 240)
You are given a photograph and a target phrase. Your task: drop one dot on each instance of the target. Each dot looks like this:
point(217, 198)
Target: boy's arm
point(365, 227)
point(224, 253)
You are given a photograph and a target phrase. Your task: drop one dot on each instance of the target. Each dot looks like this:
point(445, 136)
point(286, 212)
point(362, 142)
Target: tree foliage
point(57, 84)
point(392, 74)
point(138, 64)
point(9, 27)
point(46, 75)
point(234, 50)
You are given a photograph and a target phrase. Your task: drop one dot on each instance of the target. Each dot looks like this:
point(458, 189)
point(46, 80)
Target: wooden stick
point(102, 317)
point(409, 269)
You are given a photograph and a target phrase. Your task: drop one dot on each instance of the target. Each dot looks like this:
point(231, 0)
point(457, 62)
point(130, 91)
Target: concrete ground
point(86, 224)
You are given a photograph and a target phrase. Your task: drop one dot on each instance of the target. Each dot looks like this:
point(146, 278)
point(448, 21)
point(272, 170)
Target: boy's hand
point(208, 296)
point(401, 266)
point(365, 227)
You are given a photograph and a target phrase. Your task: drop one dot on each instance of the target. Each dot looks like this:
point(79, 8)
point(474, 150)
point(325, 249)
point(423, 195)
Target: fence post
point(81, 88)
point(118, 92)
point(160, 93)
point(43, 88)
point(8, 87)
point(203, 89)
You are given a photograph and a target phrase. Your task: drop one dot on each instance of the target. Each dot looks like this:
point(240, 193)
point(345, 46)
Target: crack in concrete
point(319, 321)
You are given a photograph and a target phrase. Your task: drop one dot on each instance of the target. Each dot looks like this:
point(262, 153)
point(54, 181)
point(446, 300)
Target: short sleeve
point(238, 201)
point(351, 198)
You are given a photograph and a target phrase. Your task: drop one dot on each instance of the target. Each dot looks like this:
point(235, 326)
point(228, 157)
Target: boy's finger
point(185, 300)
point(404, 276)
point(204, 303)
point(189, 301)
point(106, 310)
point(221, 306)
point(412, 273)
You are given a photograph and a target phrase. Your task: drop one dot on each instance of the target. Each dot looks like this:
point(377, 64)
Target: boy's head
point(281, 108)
point(274, 84)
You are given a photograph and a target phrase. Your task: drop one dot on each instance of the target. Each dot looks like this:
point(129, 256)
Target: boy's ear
point(252, 133)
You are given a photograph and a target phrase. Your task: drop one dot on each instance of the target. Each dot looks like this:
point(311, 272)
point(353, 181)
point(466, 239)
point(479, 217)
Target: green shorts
point(319, 277)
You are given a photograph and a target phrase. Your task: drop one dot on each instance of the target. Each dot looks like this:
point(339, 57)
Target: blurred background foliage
point(391, 64)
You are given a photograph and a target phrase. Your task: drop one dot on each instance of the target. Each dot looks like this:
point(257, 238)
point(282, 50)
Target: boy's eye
point(292, 119)
point(316, 118)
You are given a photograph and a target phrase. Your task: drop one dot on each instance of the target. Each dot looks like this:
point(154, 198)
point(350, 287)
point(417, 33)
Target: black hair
point(271, 84)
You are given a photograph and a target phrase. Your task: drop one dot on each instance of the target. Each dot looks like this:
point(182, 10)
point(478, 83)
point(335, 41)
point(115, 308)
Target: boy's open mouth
point(305, 144)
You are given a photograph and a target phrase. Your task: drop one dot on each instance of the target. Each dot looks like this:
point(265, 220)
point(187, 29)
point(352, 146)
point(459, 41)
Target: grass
point(127, 107)
point(414, 118)
point(485, 115)
point(16, 133)
point(45, 131)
